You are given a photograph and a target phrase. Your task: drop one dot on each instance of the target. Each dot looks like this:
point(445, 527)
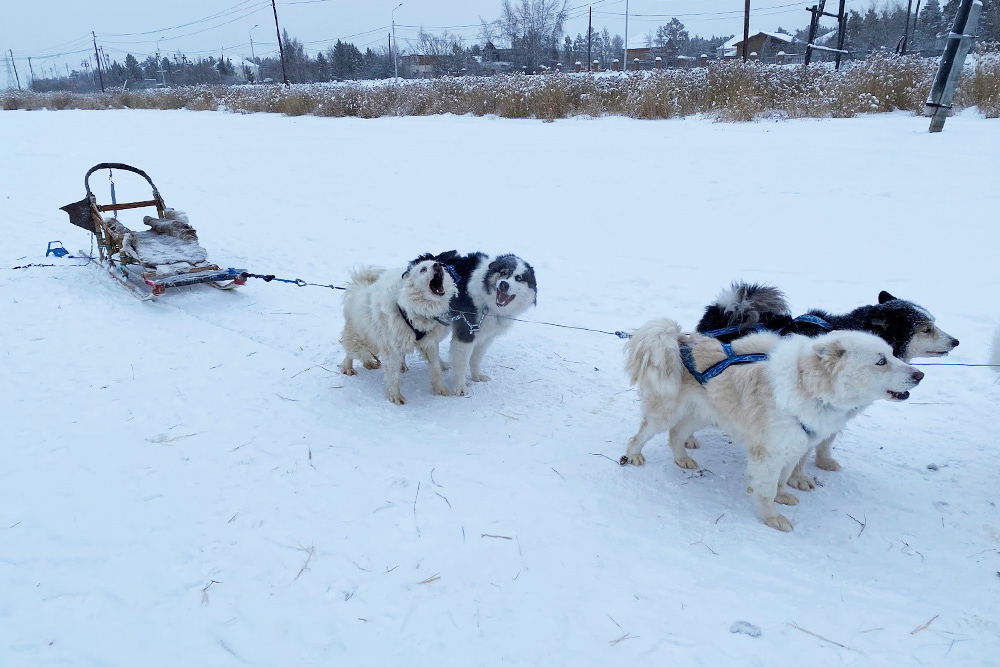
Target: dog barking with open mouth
point(491, 291)
point(389, 313)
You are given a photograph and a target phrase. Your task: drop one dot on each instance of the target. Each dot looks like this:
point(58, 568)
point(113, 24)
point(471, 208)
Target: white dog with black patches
point(389, 313)
point(804, 391)
point(490, 293)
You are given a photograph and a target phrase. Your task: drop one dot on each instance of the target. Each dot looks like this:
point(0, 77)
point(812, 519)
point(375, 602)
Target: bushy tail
point(365, 275)
point(653, 357)
point(745, 305)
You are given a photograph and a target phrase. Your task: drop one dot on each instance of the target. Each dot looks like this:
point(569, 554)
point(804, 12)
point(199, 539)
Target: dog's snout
point(918, 376)
point(504, 285)
point(954, 342)
point(436, 266)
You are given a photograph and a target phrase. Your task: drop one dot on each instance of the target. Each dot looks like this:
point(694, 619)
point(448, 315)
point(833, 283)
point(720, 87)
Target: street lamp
point(252, 56)
point(395, 49)
point(159, 62)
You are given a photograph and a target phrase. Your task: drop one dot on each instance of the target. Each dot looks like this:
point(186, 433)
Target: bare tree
point(533, 28)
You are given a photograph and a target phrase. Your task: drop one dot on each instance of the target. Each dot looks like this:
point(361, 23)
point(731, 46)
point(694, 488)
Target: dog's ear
point(830, 352)
point(884, 296)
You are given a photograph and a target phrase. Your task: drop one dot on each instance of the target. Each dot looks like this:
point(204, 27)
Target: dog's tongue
point(504, 297)
point(899, 395)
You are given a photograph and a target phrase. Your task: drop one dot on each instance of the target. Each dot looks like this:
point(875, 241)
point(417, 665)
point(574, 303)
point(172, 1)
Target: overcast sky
point(43, 28)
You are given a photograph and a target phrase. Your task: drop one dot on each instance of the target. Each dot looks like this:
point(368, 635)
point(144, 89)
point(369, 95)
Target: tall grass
point(728, 91)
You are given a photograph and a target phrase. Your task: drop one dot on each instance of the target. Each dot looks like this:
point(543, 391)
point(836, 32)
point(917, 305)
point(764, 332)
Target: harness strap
point(417, 332)
point(715, 333)
point(813, 319)
point(687, 356)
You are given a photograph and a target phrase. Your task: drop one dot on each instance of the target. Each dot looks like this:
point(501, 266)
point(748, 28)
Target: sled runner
point(147, 262)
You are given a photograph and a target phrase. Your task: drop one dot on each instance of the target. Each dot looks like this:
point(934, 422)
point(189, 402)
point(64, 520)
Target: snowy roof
point(729, 48)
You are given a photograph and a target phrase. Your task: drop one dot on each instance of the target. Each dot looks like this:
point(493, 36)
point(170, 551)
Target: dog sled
point(147, 262)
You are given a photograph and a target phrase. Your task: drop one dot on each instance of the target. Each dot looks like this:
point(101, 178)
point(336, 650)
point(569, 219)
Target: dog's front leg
point(393, 372)
point(762, 478)
point(823, 458)
point(799, 479)
point(482, 342)
point(433, 357)
point(460, 353)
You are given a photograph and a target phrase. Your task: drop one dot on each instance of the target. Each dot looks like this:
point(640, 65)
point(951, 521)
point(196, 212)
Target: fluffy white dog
point(388, 313)
point(804, 391)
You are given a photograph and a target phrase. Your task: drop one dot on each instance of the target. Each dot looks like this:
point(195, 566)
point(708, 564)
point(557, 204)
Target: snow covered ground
point(190, 482)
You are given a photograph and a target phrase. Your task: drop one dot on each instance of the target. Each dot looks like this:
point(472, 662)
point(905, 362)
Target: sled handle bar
point(124, 167)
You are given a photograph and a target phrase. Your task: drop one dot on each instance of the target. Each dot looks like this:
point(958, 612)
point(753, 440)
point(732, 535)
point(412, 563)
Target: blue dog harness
point(715, 333)
point(812, 319)
point(687, 356)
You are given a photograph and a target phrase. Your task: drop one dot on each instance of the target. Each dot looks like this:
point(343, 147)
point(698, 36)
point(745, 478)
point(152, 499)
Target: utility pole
point(746, 29)
point(98, 56)
point(625, 55)
point(842, 31)
point(31, 86)
point(253, 58)
point(916, 13)
point(906, 28)
point(960, 40)
point(14, 64)
point(395, 46)
point(281, 48)
point(590, 35)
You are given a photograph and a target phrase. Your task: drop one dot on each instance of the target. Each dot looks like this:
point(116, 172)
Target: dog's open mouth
point(436, 284)
point(504, 297)
point(898, 395)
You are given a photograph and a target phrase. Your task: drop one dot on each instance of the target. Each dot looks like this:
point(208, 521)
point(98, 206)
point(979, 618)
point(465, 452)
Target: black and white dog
point(745, 308)
point(490, 292)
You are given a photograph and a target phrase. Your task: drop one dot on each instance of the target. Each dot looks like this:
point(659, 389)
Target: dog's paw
point(634, 459)
point(779, 522)
point(801, 482)
point(348, 369)
point(827, 464)
point(440, 389)
point(687, 463)
point(691, 443)
point(460, 391)
point(396, 398)
point(372, 364)
point(480, 377)
point(785, 498)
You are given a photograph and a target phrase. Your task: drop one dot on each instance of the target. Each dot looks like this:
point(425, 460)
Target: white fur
point(375, 331)
point(491, 319)
point(780, 408)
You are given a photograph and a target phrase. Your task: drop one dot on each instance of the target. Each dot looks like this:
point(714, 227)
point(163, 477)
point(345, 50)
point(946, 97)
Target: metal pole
point(98, 57)
point(253, 57)
point(395, 47)
point(952, 60)
point(281, 48)
point(746, 30)
point(625, 55)
point(31, 86)
point(590, 34)
point(16, 77)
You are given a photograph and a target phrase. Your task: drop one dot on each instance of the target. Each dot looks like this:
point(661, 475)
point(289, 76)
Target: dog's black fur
point(748, 306)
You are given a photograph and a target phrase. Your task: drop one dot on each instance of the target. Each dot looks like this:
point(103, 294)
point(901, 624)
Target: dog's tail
point(653, 356)
point(746, 305)
point(365, 275)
